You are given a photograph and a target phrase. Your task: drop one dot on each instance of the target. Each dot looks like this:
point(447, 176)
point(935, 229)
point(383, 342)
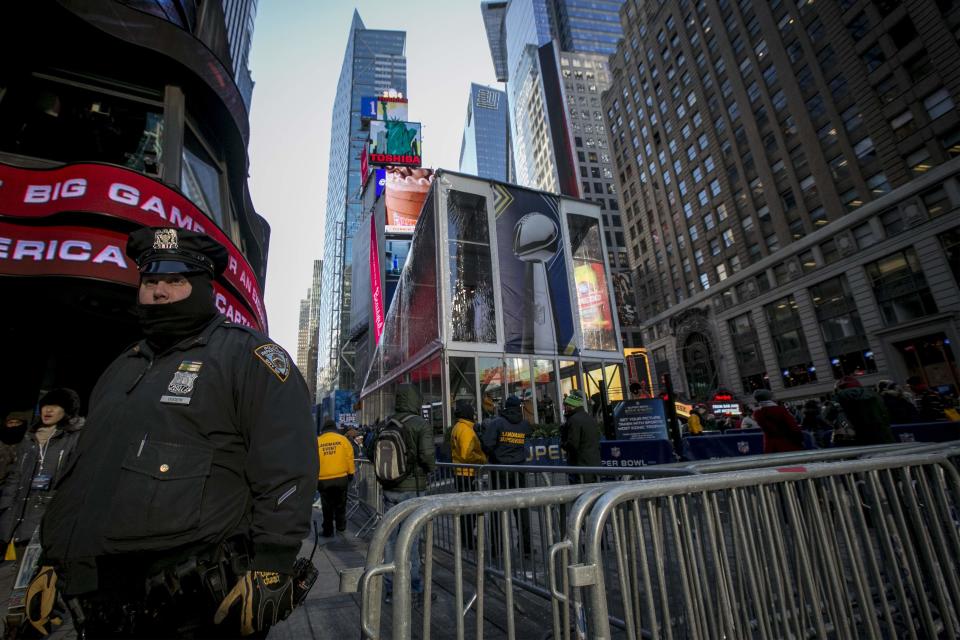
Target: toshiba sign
point(85, 251)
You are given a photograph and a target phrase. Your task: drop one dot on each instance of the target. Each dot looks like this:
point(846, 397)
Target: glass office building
point(374, 62)
point(485, 150)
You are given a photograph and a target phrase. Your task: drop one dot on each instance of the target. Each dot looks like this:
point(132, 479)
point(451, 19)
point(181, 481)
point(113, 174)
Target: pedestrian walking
point(336, 472)
point(780, 429)
point(579, 437)
point(465, 449)
point(864, 411)
point(403, 456)
point(504, 440)
point(184, 508)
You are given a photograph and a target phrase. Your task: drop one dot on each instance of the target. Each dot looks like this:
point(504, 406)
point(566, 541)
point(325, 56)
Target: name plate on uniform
point(175, 399)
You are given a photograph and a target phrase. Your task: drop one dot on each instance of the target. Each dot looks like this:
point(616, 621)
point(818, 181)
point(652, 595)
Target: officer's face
point(13, 423)
point(51, 414)
point(164, 289)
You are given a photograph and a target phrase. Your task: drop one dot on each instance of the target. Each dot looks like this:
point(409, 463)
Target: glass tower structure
point(374, 62)
point(485, 150)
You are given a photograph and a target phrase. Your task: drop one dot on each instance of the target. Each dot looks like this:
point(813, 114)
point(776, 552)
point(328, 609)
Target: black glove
point(265, 597)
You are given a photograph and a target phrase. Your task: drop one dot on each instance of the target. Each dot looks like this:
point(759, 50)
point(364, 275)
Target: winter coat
point(504, 438)
point(336, 455)
point(780, 429)
point(694, 426)
point(465, 447)
point(210, 439)
point(931, 405)
point(867, 415)
point(21, 505)
point(580, 439)
point(418, 437)
point(900, 410)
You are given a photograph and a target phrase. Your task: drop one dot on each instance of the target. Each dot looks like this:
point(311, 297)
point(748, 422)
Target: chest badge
point(181, 386)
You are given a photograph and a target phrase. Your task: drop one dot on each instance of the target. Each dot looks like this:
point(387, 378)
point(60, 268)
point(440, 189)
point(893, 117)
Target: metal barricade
point(857, 548)
point(365, 497)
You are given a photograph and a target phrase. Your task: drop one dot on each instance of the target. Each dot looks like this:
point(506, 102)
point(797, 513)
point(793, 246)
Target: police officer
point(184, 507)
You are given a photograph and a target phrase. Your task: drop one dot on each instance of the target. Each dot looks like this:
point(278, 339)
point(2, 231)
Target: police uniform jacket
point(336, 456)
point(210, 439)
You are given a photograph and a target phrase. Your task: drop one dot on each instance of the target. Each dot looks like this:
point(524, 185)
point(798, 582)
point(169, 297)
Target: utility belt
point(181, 596)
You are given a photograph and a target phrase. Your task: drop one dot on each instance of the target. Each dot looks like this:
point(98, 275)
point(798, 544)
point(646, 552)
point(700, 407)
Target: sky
point(295, 60)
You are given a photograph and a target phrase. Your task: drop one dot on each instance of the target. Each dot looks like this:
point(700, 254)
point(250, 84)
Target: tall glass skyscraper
point(374, 62)
point(485, 150)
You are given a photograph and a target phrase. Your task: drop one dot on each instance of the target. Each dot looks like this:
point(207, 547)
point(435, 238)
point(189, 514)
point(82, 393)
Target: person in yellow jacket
point(465, 449)
point(336, 472)
point(694, 422)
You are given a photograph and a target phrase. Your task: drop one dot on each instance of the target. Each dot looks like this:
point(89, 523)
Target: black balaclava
point(164, 325)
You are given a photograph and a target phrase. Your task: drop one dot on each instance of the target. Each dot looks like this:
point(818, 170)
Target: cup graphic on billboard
point(535, 241)
point(405, 191)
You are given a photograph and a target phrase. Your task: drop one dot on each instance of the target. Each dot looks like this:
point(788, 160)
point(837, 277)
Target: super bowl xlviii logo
point(182, 383)
point(743, 446)
point(615, 452)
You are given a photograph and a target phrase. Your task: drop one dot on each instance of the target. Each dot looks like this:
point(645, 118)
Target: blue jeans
point(391, 498)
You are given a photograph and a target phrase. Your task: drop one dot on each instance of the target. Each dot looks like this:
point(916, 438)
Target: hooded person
point(465, 449)
point(780, 429)
point(42, 458)
point(198, 459)
point(930, 404)
point(504, 441)
point(579, 436)
point(12, 430)
point(865, 412)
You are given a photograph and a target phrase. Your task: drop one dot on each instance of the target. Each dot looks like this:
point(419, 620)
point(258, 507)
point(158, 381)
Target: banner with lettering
point(118, 192)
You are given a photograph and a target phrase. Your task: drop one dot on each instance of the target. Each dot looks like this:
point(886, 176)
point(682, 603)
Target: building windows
point(878, 184)
point(950, 240)
point(786, 331)
point(859, 26)
point(843, 335)
point(704, 281)
point(919, 161)
point(900, 287)
point(815, 107)
point(727, 236)
point(938, 103)
point(936, 201)
point(874, 57)
point(852, 119)
point(865, 236)
point(903, 124)
point(850, 200)
point(903, 33)
point(807, 262)
point(918, 66)
point(747, 353)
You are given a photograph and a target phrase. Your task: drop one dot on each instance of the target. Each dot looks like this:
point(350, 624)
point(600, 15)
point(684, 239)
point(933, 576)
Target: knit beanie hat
point(847, 382)
point(574, 398)
point(763, 395)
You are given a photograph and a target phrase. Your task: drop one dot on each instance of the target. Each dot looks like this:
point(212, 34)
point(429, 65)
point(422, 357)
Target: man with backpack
point(402, 453)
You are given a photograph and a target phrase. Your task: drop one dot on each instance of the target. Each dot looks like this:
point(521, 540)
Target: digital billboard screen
point(392, 109)
point(395, 142)
point(405, 190)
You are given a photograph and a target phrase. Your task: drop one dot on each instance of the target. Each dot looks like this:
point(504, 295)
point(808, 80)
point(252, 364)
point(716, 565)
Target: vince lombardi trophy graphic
point(536, 240)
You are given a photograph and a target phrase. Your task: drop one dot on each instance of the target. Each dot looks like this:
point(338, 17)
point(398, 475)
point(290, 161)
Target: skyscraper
point(303, 334)
point(485, 149)
point(789, 174)
point(553, 56)
point(239, 16)
point(374, 62)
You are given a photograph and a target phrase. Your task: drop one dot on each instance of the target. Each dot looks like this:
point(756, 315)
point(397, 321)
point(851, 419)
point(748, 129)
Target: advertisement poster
point(641, 420)
point(635, 453)
point(537, 309)
point(368, 107)
point(624, 294)
point(342, 404)
point(592, 298)
point(376, 293)
point(406, 189)
point(393, 142)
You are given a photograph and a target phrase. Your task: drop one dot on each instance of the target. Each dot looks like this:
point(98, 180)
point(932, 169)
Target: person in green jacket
point(865, 410)
point(418, 437)
point(580, 437)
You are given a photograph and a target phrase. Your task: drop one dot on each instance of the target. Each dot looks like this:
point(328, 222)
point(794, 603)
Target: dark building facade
point(113, 116)
point(788, 174)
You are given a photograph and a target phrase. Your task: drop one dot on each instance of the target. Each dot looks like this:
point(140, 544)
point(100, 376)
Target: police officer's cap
point(162, 250)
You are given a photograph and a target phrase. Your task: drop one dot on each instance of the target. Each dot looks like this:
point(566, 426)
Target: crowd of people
point(853, 415)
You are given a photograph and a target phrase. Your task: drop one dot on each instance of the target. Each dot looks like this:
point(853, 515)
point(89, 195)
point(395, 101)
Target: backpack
point(391, 455)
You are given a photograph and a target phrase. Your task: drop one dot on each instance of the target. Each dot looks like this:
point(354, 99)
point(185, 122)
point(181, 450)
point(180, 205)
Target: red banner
point(90, 253)
point(122, 193)
point(375, 291)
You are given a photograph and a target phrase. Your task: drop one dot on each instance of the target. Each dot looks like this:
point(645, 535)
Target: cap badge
point(165, 239)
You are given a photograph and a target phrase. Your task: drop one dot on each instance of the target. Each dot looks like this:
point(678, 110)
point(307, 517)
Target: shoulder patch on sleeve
point(275, 358)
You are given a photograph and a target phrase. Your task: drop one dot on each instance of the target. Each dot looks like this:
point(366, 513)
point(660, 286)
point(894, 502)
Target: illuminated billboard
point(405, 191)
point(394, 142)
point(392, 109)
